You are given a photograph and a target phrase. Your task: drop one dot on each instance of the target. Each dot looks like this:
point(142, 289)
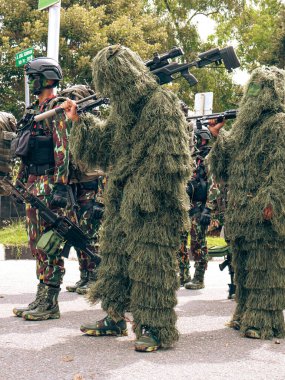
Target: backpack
point(7, 134)
point(78, 171)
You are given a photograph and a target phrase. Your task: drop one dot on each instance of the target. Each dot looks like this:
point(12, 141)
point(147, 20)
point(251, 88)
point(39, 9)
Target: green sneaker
point(106, 326)
point(83, 281)
point(148, 341)
point(18, 311)
point(252, 333)
point(47, 308)
point(234, 324)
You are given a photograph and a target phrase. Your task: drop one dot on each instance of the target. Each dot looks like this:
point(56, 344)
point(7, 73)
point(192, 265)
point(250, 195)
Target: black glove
point(205, 218)
point(98, 210)
point(59, 196)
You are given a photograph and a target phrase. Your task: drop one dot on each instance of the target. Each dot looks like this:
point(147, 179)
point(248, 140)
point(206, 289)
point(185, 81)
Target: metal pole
point(53, 32)
point(27, 92)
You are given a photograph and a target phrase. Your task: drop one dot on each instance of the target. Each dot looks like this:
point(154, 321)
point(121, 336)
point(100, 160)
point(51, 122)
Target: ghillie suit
point(143, 147)
point(7, 133)
point(250, 158)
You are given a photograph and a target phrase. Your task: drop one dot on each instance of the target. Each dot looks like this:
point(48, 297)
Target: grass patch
point(212, 241)
point(14, 234)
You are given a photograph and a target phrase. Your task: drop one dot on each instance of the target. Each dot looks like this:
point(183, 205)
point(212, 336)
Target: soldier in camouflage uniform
point(86, 195)
point(44, 169)
point(90, 204)
point(202, 191)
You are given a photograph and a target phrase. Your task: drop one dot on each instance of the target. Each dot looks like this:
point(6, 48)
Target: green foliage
point(259, 30)
point(86, 27)
point(14, 234)
point(145, 26)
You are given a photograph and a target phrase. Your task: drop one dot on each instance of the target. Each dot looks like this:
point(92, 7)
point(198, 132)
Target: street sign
point(24, 57)
point(203, 103)
point(43, 4)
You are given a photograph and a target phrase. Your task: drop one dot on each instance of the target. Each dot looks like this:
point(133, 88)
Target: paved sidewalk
point(57, 350)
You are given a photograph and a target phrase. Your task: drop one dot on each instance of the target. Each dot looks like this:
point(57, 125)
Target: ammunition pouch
point(20, 145)
point(41, 151)
point(40, 169)
point(96, 209)
point(50, 242)
point(92, 185)
point(197, 189)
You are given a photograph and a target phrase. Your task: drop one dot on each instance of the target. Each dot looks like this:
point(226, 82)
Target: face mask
point(254, 89)
point(36, 84)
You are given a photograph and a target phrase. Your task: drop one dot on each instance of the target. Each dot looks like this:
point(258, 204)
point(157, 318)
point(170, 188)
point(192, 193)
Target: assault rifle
point(70, 233)
point(203, 120)
point(90, 103)
point(225, 251)
point(163, 68)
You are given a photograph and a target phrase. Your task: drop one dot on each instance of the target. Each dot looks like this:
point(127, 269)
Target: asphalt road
point(57, 350)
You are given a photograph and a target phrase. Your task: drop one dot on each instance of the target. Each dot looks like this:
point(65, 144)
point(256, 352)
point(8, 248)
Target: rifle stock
point(68, 231)
point(164, 69)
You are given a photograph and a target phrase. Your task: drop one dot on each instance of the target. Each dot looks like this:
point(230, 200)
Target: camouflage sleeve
point(213, 191)
point(61, 132)
point(91, 141)
point(219, 157)
point(21, 173)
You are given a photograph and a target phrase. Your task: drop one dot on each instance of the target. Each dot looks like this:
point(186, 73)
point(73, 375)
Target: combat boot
point(198, 279)
point(84, 275)
point(47, 308)
point(91, 280)
point(148, 341)
point(106, 326)
point(185, 277)
point(18, 311)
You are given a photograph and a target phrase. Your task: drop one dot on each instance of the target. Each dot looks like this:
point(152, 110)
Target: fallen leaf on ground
point(68, 358)
point(78, 377)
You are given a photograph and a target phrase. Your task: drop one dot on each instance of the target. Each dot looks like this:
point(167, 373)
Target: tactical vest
point(34, 143)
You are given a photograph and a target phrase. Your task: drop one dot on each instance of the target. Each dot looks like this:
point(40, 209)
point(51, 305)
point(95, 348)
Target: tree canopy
point(256, 27)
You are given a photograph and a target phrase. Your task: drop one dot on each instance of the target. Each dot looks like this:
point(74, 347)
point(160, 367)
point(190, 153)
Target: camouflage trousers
point(198, 246)
point(90, 224)
point(49, 270)
point(183, 259)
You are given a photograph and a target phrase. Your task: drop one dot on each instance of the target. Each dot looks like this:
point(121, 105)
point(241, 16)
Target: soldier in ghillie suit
point(250, 158)
point(44, 152)
point(144, 149)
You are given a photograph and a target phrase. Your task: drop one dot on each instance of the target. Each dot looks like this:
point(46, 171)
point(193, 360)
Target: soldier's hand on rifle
point(268, 212)
point(70, 109)
point(205, 218)
point(59, 196)
point(215, 127)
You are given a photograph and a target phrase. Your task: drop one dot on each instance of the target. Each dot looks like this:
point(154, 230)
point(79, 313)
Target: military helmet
point(203, 132)
point(47, 67)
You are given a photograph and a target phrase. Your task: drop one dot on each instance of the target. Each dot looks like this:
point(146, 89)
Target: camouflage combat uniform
point(198, 230)
point(90, 204)
point(50, 270)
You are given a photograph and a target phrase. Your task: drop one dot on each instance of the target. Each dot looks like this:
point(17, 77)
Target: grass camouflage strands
point(250, 158)
point(144, 147)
